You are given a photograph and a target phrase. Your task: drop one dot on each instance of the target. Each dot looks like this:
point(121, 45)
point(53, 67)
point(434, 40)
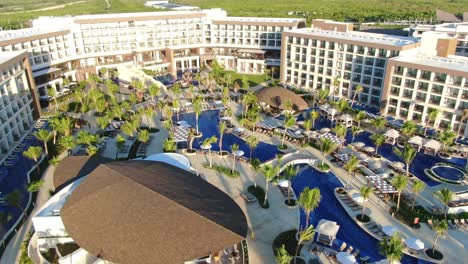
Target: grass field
point(342, 10)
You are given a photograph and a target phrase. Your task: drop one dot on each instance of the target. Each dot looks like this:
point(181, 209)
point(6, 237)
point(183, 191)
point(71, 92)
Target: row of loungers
point(349, 201)
point(284, 191)
point(264, 131)
point(203, 151)
point(375, 228)
point(453, 224)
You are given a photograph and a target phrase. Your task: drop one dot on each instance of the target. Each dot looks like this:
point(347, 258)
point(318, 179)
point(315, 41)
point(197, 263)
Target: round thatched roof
point(277, 97)
point(151, 212)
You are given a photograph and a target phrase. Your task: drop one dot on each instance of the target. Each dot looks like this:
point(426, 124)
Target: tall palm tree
point(336, 87)
point(143, 136)
point(222, 129)
point(15, 199)
point(102, 122)
point(289, 121)
point(447, 138)
point(67, 142)
point(399, 182)
point(304, 235)
point(252, 141)
point(358, 90)
point(128, 129)
point(351, 167)
point(308, 127)
point(197, 108)
point(53, 93)
point(440, 228)
point(464, 117)
point(269, 172)
point(379, 124)
point(392, 248)
point(323, 95)
point(44, 136)
point(153, 91)
point(84, 138)
point(408, 129)
point(207, 145)
point(359, 117)
point(176, 105)
point(365, 192)
point(342, 105)
point(340, 131)
point(256, 166)
point(282, 256)
point(326, 147)
point(313, 116)
point(417, 188)
point(445, 196)
point(234, 148)
point(34, 153)
point(378, 139)
point(309, 200)
point(354, 131)
point(289, 173)
point(407, 154)
point(431, 118)
point(119, 143)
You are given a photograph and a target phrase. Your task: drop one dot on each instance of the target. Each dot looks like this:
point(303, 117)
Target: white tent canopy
point(433, 144)
point(327, 228)
point(345, 258)
point(392, 133)
point(414, 243)
point(174, 159)
point(416, 140)
point(358, 198)
point(390, 230)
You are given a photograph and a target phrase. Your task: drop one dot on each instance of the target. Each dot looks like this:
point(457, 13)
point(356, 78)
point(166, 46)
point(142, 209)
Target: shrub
point(224, 170)
point(288, 239)
point(259, 193)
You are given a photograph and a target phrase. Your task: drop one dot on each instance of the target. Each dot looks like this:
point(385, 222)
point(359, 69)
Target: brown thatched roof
point(74, 167)
point(446, 16)
point(278, 96)
point(151, 212)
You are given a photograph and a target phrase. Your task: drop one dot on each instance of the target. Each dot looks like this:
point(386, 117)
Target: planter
point(298, 260)
point(437, 255)
point(377, 156)
point(323, 169)
point(282, 147)
point(199, 135)
point(341, 190)
point(292, 204)
point(190, 152)
point(363, 218)
point(444, 155)
point(400, 144)
point(223, 153)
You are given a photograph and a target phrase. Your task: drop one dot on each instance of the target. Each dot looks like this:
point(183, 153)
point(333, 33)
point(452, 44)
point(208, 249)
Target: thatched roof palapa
point(277, 97)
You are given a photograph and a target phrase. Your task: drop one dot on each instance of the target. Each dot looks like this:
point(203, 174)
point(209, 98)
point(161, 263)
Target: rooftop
point(263, 19)
point(458, 63)
point(359, 36)
point(27, 32)
point(6, 56)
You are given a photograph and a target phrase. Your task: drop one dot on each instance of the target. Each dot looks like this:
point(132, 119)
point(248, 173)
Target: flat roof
point(453, 63)
point(7, 56)
point(392, 40)
point(27, 32)
point(134, 15)
point(263, 19)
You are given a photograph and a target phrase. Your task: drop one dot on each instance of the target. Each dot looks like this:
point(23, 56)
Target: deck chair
point(343, 246)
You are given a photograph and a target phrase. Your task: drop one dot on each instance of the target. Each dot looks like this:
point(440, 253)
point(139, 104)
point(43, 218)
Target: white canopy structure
point(174, 159)
point(331, 112)
point(416, 141)
point(391, 136)
point(358, 198)
point(390, 230)
point(347, 119)
point(414, 243)
point(432, 146)
point(345, 258)
point(328, 229)
point(238, 153)
point(284, 183)
point(359, 144)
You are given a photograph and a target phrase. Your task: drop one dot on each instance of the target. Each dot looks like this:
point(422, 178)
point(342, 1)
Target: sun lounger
point(343, 246)
point(249, 198)
point(452, 225)
point(350, 249)
point(365, 259)
point(356, 252)
point(463, 223)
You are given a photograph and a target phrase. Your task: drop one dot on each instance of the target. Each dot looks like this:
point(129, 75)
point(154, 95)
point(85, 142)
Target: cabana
point(432, 147)
point(326, 231)
point(417, 142)
point(331, 112)
point(391, 136)
point(347, 119)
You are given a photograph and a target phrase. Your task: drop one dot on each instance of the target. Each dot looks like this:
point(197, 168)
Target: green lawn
point(254, 79)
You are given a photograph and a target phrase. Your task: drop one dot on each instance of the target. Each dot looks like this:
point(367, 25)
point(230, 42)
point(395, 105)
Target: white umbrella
point(284, 183)
point(398, 165)
point(188, 104)
point(390, 230)
point(358, 198)
point(218, 102)
point(414, 243)
point(238, 153)
point(345, 258)
point(238, 129)
point(362, 156)
point(325, 130)
point(206, 147)
point(225, 118)
point(359, 144)
point(369, 149)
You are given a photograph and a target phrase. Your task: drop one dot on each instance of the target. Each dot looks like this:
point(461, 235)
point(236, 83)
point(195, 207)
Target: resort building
point(18, 101)
point(457, 30)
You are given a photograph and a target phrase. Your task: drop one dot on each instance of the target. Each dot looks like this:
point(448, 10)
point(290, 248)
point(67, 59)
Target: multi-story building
point(457, 30)
point(75, 47)
point(18, 101)
point(312, 58)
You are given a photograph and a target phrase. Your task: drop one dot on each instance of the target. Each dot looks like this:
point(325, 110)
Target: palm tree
point(392, 248)
point(15, 199)
point(256, 166)
point(417, 188)
point(84, 138)
point(314, 115)
point(153, 91)
point(342, 105)
point(359, 117)
point(407, 154)
point(440, 228)
point(34, 186)
point(252, 141)
point(54, 124)
point(53, 93)
point(326, 147)
point(351, 167)
point(34, 153)
point(309, 200)
point(119, 143)
point(92, 150)
point(102, 122)
point(408, 129)
point(222, 129)
point(399, 182)
point(445, 196)
point(354, 131)
point(358, 90)
point(304, 235)
point(176, 105)
point(289, 121)
point(143, 136)
point(340, 131)
point(463, 117)
point(282, 256)
point(67, 142)
point(128, 129)
point(379, 123)
point(378, 139)
point(447, 138)
point(197, 108)
point(269, 172)
point(431, 118)
point(365, 192)
point(308, 127)
point(234, 148)
point(207, 145)
point(336, 87)
point(290, 172)
point(323, 95)
point(54, 161)
point(44, 136)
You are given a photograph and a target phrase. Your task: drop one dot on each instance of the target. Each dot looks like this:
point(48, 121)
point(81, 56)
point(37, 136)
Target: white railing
point(309, 162)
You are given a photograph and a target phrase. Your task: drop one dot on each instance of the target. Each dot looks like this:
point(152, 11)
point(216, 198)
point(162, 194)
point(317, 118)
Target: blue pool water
point(329, 208)
point(448, 172)
point(208, 124)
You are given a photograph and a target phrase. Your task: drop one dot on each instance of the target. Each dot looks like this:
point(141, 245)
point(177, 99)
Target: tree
point(354, 131)
point(379, 124)
point(358, 90)
point(176, 105)
point(128, 129)
point(440, 228)
point(309, 200)
point(92, 150)
point(197, 108)
point(304, 235)
point(34, 153)
point(34, 186)
point(340, 130)
point(399, 182)
point(447, 138)
point(119, 143)
point(252, 141)
point(15, 199)
point(144, 137)
point(269, 172)
point(289, 173)
point(54, 161)
point(336, 86)
point(351, 167)
point(314, 115)
point(234, 149)
point(222, 129)
point(417, 188)
point(282, 256)
point(153, 91)
point(323, 95)
point(67, 142)
point(169, 145)
point(326, 147)
point(408, 129)
point(256, 165)
point(431, 118)
point(85, 138)
point(44, 136)
point(445, 196)
point(289, 121)
point(308, 127)
point(102, 122)
point(365, 192)
point(392, 248)
point(342, 105)
point(207, 145)
point(407, 154)
point(53, 93)
point(378, 139)
point(359, 117)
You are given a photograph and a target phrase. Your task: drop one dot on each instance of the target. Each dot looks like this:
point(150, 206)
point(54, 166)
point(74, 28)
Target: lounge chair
point(350, 249)
point(356, 252)
point(343, 246)
point(452, 225)
point(365, 259)
point(463, 223)
point(249, 198)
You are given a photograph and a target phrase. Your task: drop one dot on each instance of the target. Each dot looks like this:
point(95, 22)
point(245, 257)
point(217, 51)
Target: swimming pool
point(447, 172)
point(208, 124)
point(329, 208)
